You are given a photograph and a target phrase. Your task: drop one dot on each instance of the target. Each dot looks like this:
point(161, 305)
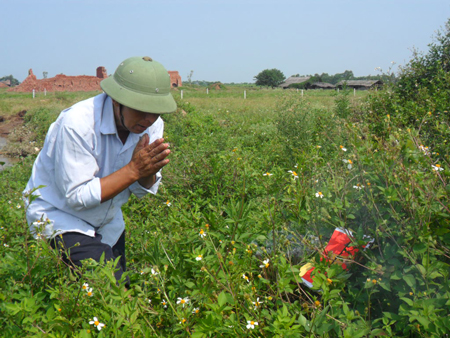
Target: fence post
point(302, 92)
point(45, 91)
point(207, 91)
point(182, 94)
point(34, 93)
point(354, 91)
point(245, 94)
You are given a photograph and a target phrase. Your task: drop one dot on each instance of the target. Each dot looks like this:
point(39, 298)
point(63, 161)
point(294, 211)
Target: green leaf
point(407, 301)
point(410, 280)
point(222, 299)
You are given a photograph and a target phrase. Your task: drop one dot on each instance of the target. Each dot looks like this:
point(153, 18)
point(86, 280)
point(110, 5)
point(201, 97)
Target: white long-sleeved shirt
point(81, 147)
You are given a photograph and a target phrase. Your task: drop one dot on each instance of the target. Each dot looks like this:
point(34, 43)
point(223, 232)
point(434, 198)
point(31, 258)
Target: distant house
point(360, 84)
point(292, 80)
point(322, 85)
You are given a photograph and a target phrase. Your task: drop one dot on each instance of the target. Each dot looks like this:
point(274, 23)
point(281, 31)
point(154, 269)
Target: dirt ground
point(8, 123)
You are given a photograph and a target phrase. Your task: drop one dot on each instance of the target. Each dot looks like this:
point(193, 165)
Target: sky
point(226, 41)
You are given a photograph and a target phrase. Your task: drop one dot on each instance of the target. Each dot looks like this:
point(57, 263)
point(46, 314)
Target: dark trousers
point(76, 247)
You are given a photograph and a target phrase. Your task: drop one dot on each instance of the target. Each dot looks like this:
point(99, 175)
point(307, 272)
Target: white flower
point(437, 167)
point(202, 233)
point(183, 320)
point(267, 174)
point(182, 301)
point(154, 272)
point(343, 149)
point(6, 245)
point(142, 272)
point(257, 304)
point(18, 206)
point(96, 322)
point(293, 174)
point(164, 303)
point(168, 203)
point(425, 150)
point(251, 324)
point(85, 286)
point(196, 310)
point(358, 186)
point(349, 166)
point(265, 264)
point(245, 277)
point(319, 194)
point(89, 292)
point(149, 300)
point(199, 258)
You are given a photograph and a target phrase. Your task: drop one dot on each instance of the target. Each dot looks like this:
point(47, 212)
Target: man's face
point(134, 120)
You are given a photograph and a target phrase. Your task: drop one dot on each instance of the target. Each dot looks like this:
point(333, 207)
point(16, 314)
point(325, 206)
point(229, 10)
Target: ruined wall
point(81, 83)
point(175, 79)
point(61, 83)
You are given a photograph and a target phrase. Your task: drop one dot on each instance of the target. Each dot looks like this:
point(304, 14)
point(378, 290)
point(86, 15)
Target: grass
point(252, 232)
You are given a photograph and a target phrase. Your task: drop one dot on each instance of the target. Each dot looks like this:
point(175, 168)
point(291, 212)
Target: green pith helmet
point(142, 84)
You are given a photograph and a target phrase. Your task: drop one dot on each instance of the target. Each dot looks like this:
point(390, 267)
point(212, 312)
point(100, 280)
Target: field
point(254, 190)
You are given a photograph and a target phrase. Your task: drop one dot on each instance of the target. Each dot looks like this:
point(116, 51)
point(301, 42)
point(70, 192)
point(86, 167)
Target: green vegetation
point(12, 79)
point(217, 252)
point(270, 78)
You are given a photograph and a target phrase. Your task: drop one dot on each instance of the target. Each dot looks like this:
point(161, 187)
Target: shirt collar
point(108, 124)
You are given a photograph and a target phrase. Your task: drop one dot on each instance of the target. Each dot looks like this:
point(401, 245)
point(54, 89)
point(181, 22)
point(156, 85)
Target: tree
point(270, 78)
point(189, 77)
point(14, 81)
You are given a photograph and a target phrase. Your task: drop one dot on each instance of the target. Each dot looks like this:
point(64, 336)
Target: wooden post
point(34, 93)
point(45, 91)
point(302, 92)
point(354, 91)
point(207, 91)
point(245, 94)
point(182, 94)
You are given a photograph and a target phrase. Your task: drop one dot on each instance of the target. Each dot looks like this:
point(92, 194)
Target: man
point(95, 155)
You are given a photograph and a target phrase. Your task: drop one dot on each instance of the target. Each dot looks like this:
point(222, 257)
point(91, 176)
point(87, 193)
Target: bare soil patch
point(9, 123)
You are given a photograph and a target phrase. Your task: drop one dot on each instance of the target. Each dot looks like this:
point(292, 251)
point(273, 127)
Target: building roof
point(359, 83)
point(322, 85)
point(293, 79)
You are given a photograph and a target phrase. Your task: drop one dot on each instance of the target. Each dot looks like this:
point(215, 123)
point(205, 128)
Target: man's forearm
point(115, 183)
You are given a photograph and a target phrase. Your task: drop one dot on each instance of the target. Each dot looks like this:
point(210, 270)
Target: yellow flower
point(182, 301)
point(374, 281)
point(202, 233)
point(317, 303)
point(265, 264)
point(294, 174)
point(329, 281)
